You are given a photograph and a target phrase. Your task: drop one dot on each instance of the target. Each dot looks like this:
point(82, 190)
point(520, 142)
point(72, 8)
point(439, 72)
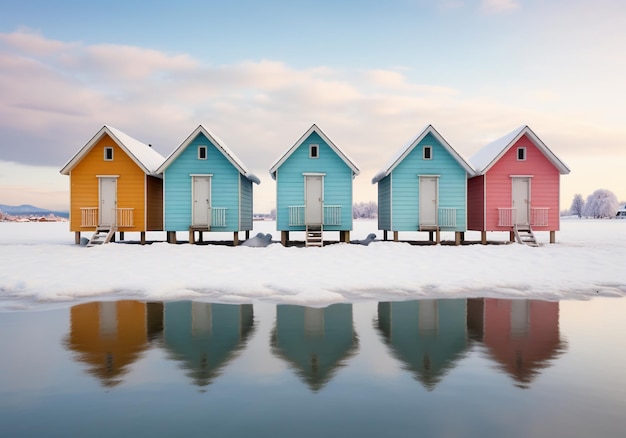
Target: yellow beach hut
point(114, 187)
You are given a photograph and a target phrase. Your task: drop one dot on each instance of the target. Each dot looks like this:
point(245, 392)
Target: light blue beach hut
point(206, 188)
point(424, 188)
point(314, 189)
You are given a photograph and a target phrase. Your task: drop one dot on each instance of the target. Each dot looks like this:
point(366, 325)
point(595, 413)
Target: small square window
point(202, 153)
point(314, 151)
point(428, 152)
point(521, 154)
point(108, 154)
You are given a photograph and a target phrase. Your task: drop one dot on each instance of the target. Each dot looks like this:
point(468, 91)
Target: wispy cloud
point(55, 95)
point(499, 6)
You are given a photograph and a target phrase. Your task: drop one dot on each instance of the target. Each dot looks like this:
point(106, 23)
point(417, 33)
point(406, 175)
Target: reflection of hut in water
point(205, 337)
point(522, 336)
point(428, 336)
point(109, 336)
point(314, 341)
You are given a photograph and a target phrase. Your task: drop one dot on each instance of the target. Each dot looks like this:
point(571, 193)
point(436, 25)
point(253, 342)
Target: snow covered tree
point(578, 205)
point(365, 210)
point(601, 203)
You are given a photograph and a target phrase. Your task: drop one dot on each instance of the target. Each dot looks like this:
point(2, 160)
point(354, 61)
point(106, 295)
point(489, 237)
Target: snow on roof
point(219, 144)
point(143, 155)
point(314, 128)
point(489, 154)
point(408, 147)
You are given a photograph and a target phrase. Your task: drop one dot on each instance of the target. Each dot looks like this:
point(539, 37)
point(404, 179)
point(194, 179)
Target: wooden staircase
point(524, 235)
point(314, 235)
point(102, 235)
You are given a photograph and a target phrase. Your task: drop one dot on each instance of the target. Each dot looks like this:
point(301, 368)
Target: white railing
point(332, 215)
point(507, 217)
point(124, 217)
point(89, 216)
point(218, 217)
point(296, 215)
point(447, 217)
point(539, 216)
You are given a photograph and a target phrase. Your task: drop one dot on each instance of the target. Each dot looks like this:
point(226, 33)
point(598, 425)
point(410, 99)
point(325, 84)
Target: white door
point(201, 205)
point(428, 202)
point(521, 199)
point(314, 210)
point(108, 201)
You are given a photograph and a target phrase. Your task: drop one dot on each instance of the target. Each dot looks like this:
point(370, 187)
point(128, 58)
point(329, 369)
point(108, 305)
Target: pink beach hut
point(516, 188)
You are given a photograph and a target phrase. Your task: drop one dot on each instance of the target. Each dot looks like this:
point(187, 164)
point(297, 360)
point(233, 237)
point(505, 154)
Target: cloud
point(499, 6)
point(55, 95)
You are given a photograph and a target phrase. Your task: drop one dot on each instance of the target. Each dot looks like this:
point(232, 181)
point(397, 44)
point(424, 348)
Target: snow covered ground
point(40, 267)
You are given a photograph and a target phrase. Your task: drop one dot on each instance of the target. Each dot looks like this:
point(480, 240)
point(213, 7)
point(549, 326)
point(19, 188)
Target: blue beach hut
point(314, 189)
point(206, 188)
point(424, 188)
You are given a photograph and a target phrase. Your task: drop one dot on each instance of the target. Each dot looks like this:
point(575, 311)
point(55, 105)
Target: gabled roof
point(219, 144)
point(485, 158)
point(408, 147)
point(312, 129)
point(143, 155)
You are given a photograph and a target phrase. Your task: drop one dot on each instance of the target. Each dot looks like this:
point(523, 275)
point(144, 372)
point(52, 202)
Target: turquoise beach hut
point(424, 188)
point(314, 189)
point(206, 188)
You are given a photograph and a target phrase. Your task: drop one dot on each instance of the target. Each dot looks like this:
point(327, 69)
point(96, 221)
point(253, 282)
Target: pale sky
point(258, 74)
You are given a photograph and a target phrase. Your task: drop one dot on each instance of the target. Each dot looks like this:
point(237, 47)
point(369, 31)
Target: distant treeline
point(365, 210)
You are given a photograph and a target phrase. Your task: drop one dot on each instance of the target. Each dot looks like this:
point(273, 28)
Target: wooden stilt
point(553, 236)
point(385, 235)
point(462, 233)
point(344, 236)
point(236, 238)
point(171, 237)
point(143, 237)
point(395, 236)
point(483, 237)
point(430, 236)
point(284, 238)
point(77, 237)
point(200, 236)
point(438, 237)
point(247, 234)
point(511, 236)
point(192, 236)
point(458, 238)
point(121, 236)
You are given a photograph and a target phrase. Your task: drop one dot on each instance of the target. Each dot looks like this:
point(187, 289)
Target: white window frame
point(430, 149)
point(206, 152)
point(315, 147)
point(521, 148)
point(108, 148)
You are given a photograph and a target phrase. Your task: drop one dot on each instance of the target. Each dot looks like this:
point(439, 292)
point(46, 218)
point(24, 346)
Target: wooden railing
point(447, 217)
point(123, 217)
point(89, 216)
point(507, 217)
point(332, 215)
point(218, 217)
point(539, 216)
point(296, 215)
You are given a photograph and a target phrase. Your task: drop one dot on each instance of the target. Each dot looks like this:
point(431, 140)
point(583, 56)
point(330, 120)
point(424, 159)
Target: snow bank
point(41, 267)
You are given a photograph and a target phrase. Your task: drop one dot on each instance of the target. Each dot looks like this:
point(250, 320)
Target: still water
point(438, 368)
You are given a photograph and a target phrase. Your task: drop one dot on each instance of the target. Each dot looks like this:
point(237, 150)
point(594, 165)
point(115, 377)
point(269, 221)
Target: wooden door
point(108, 201)
point(201, 201)
point(428, 202)
point(314, 200)
point(521, 200)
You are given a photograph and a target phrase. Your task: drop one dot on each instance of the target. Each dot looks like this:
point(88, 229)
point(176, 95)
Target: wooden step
point(525, 236)
point(314, 236)
point(101, 236)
